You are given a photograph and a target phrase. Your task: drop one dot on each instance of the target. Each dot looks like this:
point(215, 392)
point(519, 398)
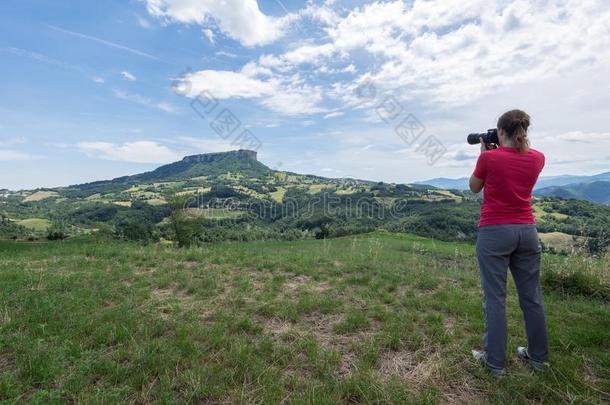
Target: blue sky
point(94, 90)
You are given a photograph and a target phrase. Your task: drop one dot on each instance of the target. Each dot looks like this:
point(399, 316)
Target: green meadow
point(377, 318)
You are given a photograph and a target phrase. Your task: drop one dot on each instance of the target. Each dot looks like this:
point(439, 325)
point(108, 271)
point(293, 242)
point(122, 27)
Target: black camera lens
point(491, 136)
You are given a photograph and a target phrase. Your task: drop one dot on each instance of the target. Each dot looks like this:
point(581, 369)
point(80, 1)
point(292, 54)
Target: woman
point(508, 239)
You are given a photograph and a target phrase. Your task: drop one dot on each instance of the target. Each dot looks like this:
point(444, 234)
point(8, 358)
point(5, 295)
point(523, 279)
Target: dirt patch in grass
point(316, 324)
point(295, 282)
point(191, 263)
point(259, 281)
point(589, 376)
point(400, 364)
point(449, 324)
point(416, 367)
point(423, 292)
point(163, 295)
point(463, 394)
point(320, 287)
point(143, 271)
point(322, 328)
point(7, 362)
point(278, 328)
point(169, 292)
point(424, 368)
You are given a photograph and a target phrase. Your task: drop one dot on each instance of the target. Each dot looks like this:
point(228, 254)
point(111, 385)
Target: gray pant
point(517, 247)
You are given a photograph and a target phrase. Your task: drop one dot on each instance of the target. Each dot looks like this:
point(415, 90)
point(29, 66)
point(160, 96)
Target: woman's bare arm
point(476, 184)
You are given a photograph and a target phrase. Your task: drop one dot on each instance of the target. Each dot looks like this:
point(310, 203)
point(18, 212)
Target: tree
point(136, 230)
point(57, 231)
point(599, 246)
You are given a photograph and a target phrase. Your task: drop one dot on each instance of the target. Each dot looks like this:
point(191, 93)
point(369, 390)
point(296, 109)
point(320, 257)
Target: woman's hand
point(487, 146)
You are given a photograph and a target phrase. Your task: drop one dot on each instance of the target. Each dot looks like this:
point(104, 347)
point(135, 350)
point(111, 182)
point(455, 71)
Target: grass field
point(36, 224)
point(213, 213)
point(40, 195)
point(375, 318)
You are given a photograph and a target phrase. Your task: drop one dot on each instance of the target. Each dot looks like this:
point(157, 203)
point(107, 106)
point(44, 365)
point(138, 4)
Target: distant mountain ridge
point(594, 188)
point(597, 191)
point(565, 180)
point(544, 181)
point(446, 183)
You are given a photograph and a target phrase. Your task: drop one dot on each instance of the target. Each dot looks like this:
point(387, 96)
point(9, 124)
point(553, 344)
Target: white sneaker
point(524, 355)
point(481, 357)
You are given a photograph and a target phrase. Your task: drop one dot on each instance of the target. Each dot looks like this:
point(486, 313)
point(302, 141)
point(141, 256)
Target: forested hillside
point(233, 196)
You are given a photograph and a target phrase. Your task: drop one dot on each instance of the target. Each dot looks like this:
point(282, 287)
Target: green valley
point(233, 196)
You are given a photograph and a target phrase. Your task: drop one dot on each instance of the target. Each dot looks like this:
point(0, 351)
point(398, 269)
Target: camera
point(490, 137)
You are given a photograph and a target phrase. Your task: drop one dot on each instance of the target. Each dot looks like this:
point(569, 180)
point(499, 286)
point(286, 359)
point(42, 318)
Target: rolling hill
point(233, 196)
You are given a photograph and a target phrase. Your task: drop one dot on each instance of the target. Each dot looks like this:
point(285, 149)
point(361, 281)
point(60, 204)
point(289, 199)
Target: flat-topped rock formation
point(215, 157)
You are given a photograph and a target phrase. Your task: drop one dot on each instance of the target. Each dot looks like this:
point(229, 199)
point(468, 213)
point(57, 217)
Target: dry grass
point(562, 242)
point(7, 362)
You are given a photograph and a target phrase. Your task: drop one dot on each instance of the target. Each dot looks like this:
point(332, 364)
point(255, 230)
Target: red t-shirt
point(508, 179)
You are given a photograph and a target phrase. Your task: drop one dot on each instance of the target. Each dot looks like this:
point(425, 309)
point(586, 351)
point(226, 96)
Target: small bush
point(57, 231)
point(136, 231)
point(576, 283)
point(599, 246)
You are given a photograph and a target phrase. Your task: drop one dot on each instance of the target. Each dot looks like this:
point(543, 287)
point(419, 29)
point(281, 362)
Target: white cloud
point(241, 20)
point(8, 155)
point(574, 152)
point(437, 52)
point(143, 22)
point(167, 107)
point(138, 152)
point(145, 101)
point(311, 54)
point(295, 100)
point(17, 140)
point(128, 76)
point(223, 84)
point(456, 64)
point(288, 96)
point(333, 114)
point(583, 137)
point(225, 53)
point(449, 52)
point(209, 34)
